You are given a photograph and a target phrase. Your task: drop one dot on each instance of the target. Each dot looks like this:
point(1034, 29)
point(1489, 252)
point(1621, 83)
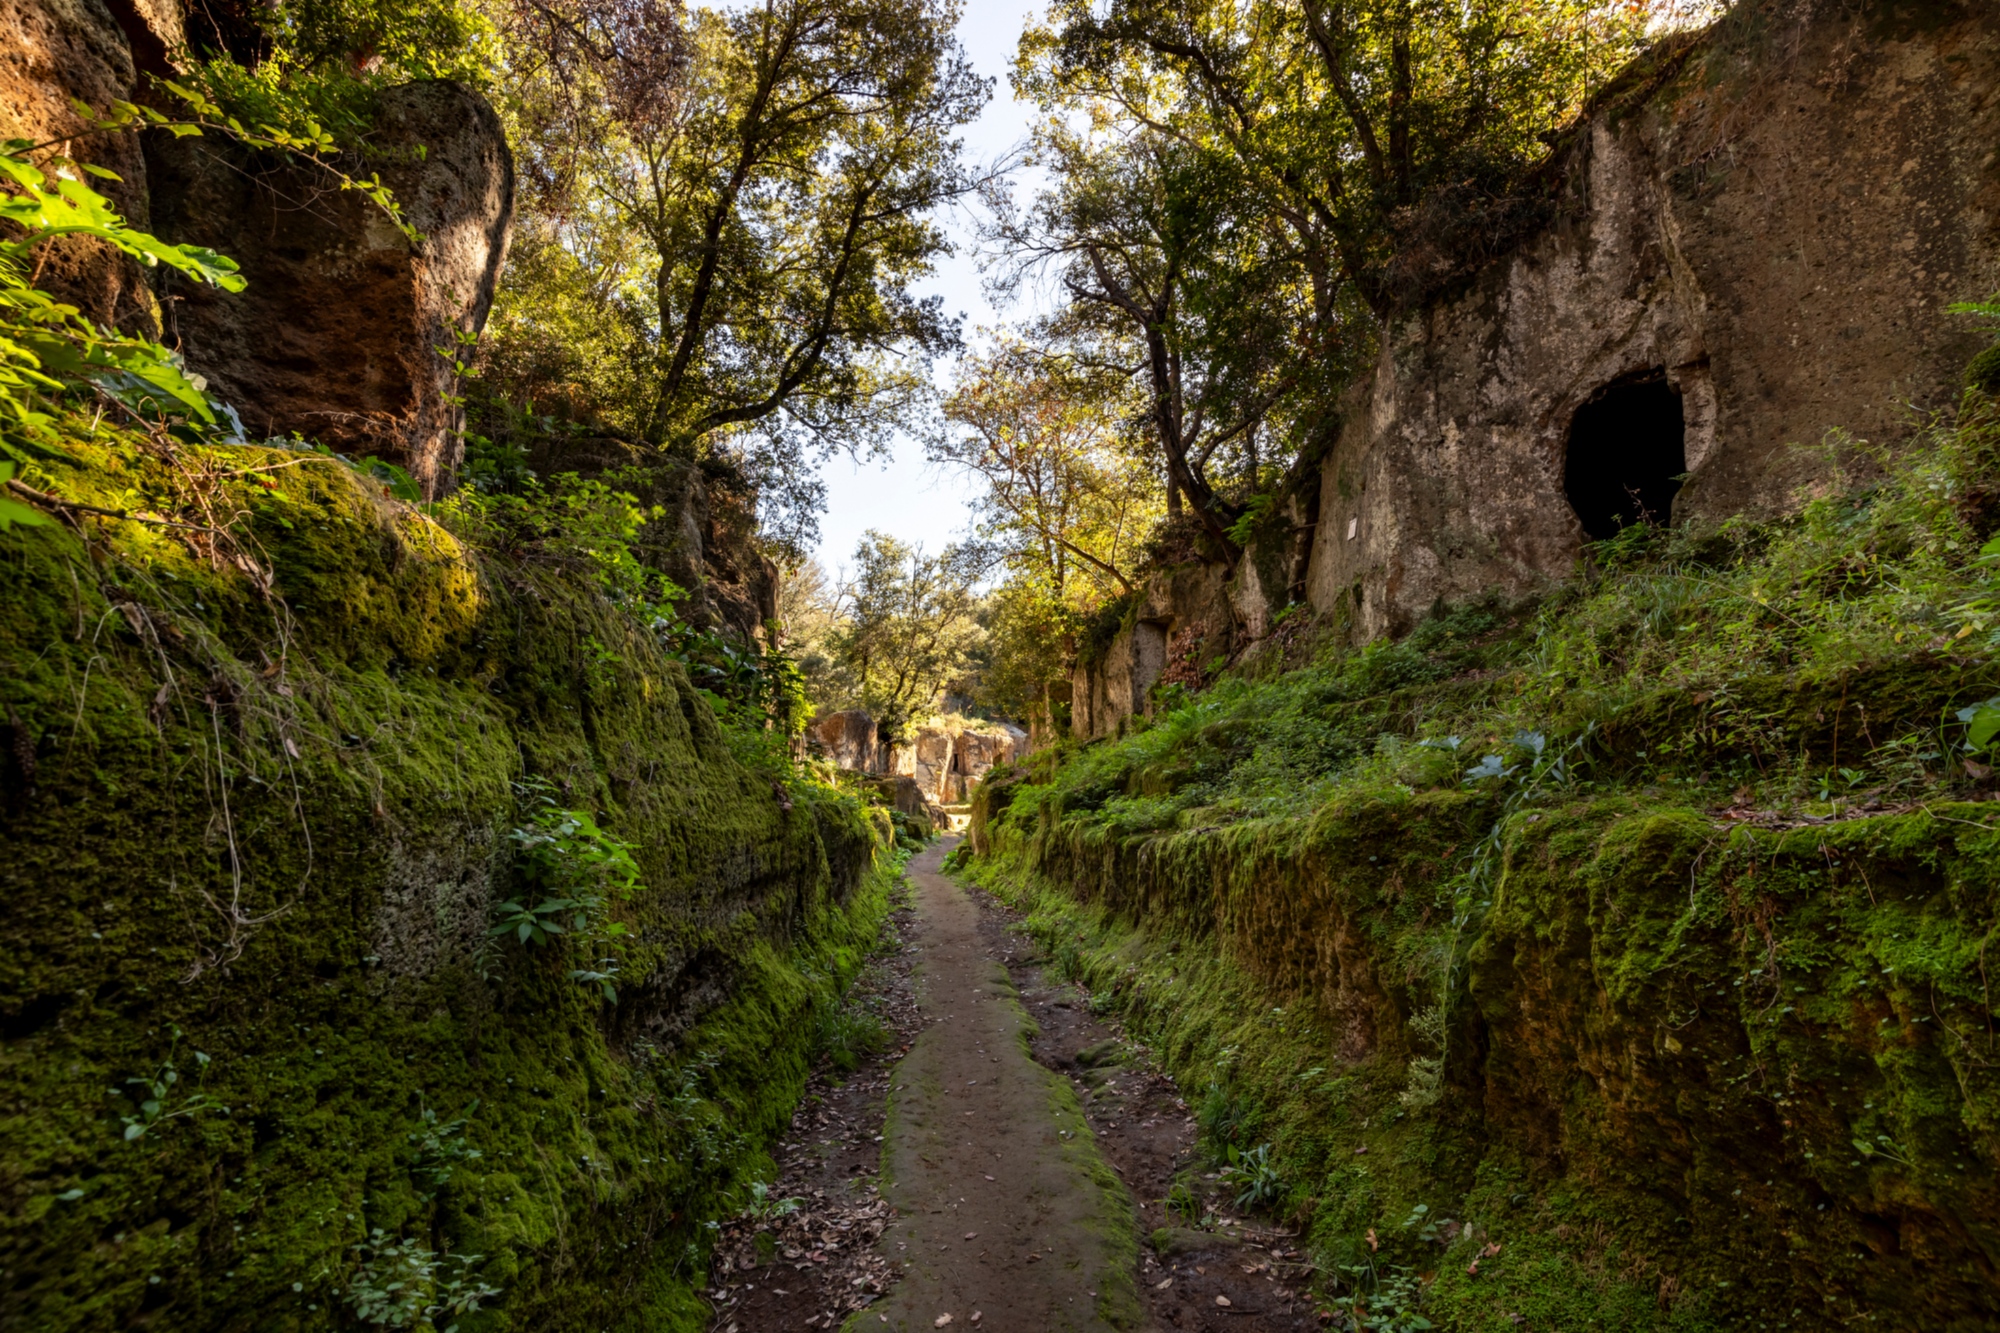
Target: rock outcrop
point(54, 52)
point(938, 765)
point(1752, 245)
point(1183, 623)
point(338, 336)
point(1757, 254)
point(850, 740)
point(703, 529)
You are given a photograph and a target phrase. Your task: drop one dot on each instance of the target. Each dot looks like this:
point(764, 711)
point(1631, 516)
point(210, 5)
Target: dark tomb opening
point(1627, 447)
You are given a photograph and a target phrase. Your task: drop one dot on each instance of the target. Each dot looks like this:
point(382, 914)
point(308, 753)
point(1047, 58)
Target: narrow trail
point(1028, 1160)
point(1009, 1219)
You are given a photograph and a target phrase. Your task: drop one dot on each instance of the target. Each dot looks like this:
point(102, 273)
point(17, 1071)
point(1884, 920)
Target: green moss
point(1643, 935)
point(270, 830)
point(1670, 1043)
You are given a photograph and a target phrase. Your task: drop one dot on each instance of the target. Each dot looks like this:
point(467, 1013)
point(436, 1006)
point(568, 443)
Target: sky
point(905, 495)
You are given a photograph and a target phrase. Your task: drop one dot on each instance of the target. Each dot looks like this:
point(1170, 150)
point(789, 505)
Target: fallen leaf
point(970, 1234)
point(1163, 1284)
point(941, 1321)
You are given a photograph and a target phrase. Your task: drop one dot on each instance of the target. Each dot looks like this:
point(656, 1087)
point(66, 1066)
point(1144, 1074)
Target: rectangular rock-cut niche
point(1149, 662)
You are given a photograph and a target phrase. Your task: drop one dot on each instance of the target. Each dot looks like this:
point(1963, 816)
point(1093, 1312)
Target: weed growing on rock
point(400, 1283)
point(160, 1098)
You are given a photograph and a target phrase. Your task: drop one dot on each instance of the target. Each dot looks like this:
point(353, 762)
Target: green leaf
point(1985, 723)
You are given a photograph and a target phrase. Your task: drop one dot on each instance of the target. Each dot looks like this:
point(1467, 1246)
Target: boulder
point(337, 336)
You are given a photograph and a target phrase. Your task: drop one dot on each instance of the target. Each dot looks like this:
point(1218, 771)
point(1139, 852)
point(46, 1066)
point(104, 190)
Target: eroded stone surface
point(1777, 232)
point(337, 335)
point(53, 51)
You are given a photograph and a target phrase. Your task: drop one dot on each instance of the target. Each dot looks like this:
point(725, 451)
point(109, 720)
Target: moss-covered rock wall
point(1694, 1075)
point(265, 1064)
point(1619, 962)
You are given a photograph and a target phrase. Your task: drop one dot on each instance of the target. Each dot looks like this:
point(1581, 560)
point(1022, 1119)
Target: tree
point(911, 626)
point(752, 237)
point(1242, 191)
point(811, 618)
point(1067, 497)
point(1070, 495)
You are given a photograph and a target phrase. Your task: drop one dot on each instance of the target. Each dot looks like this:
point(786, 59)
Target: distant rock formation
point(939, 765)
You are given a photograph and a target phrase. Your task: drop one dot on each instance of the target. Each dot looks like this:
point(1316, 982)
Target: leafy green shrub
point(847, 1035)
point(1255, 1174)
point(401, 1283)
point(574, 870)
point(48, 349)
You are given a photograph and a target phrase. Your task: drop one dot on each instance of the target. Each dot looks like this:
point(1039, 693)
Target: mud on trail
point(1026, 1153)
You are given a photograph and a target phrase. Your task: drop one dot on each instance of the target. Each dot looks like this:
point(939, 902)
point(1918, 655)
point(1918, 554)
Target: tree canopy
point(1242, 192)
point(725, 222)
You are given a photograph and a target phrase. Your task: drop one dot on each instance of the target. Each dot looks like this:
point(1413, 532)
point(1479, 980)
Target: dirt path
point(1028, 1160)
point(1009, 1218)
point(1234, 1273)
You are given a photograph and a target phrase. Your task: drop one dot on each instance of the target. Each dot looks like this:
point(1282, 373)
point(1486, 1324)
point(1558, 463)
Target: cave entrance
point(1627, 449)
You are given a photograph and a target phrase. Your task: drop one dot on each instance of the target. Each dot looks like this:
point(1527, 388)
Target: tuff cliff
point(1744, 253)
point(403, 933)
point(1751, 246)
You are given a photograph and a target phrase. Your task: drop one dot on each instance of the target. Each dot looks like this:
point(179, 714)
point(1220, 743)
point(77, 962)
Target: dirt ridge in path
point(1009, 1217)
point(1233, 1274)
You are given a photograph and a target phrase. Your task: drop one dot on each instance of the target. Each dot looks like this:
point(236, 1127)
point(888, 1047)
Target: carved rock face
point(848, 739)
point(1766, 247)
point(337, 336)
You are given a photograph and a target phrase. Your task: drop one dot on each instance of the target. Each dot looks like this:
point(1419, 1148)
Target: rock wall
point(1765, 247)
point(1184, 623)
point(275, 827)
point(704, 536)
point(337, 335)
